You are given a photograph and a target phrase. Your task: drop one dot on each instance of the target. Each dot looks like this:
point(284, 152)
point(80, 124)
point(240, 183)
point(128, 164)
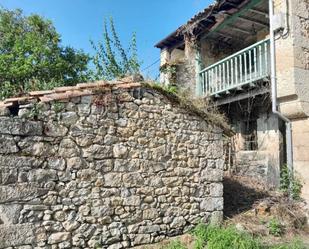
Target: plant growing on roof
point(170, 69)
point(111, 59)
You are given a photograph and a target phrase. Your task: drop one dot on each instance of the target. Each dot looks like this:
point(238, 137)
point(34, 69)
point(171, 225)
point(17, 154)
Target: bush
point(286, 180)
point(275, 227)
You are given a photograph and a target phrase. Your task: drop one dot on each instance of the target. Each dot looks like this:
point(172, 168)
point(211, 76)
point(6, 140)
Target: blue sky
point(78, 21)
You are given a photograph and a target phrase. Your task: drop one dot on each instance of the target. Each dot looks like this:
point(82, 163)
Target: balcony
point(242, 69)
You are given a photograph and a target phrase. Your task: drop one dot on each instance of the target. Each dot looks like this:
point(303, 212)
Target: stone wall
point(264, 162)
point(115, 168)
point(292, 63)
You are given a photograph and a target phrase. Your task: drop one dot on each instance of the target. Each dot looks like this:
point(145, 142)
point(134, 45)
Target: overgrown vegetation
point(112, 60)
point(275, 227)
point(200, 106)
point(57, 107)
point(170, 70)
point(214, 237)
point(32, 57)
point(34, 111)
point(287, 182)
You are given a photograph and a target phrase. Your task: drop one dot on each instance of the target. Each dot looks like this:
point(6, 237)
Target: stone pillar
point(301, 153)
point(164, 59)
point(270, 145)
point(192, 64)
point(292, 59)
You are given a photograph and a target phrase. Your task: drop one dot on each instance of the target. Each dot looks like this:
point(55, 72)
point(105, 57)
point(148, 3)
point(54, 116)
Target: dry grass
point(202, 106)
point(251, 207)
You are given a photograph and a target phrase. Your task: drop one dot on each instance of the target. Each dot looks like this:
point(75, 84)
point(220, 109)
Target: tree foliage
point(31, 55)
point(111, 59)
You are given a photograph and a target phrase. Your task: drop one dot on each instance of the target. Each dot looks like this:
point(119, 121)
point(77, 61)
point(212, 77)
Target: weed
point(176, 245)
point(199, 106)
point(57, 107)
point(222, 238)
point(34, 112)
point(296, 244)
point(286, 181)
point(214, 237)
point(275, 227)
point(170, 70)
point(172, 90)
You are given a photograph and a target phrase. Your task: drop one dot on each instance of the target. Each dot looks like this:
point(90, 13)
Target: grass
point(214, 237)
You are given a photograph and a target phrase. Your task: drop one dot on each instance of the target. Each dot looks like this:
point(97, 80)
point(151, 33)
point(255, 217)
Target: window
point(249, 134)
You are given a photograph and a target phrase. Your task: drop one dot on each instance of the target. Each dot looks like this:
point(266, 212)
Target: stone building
point(105, 166)
point(252, 58)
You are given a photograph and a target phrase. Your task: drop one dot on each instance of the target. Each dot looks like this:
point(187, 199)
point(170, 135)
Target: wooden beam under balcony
point(249, 19)
point(238, 97)
point(247, 32)
point(232, 18)
point(260, 12)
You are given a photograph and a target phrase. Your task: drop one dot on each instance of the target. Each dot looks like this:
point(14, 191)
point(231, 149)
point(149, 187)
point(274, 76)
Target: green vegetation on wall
point(112, 60)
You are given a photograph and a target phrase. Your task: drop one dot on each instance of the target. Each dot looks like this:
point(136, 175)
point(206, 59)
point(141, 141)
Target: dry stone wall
point(115, 169)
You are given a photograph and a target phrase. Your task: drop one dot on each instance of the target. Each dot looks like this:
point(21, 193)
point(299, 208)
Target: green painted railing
point(242, 68)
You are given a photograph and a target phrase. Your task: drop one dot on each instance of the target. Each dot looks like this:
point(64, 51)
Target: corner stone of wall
point(113, 170)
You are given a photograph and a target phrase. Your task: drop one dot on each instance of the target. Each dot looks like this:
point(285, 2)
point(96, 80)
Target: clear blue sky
point(78, 21)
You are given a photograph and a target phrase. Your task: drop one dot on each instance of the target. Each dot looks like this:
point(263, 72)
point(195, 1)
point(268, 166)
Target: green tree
point(31, 55)
point(111, 60)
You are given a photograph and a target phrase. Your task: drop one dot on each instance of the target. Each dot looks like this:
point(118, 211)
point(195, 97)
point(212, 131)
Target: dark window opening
point(249, 134)
point(14, 109)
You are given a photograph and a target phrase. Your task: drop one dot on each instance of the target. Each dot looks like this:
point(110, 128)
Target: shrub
point(275, 227)
point(286, 181)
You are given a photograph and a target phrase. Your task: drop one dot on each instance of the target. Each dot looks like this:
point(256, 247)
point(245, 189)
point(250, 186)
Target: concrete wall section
point(301, 153)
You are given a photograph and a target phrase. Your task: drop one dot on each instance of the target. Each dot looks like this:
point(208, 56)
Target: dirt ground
point(250, 206)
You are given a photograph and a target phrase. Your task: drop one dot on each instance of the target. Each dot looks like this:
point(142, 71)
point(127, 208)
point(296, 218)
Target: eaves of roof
point(206, 19)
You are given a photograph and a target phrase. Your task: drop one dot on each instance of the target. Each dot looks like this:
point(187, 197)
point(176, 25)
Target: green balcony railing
point(242, 68)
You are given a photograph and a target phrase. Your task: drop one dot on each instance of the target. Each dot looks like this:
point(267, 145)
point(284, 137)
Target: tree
point(31, 54)
point(111, 59)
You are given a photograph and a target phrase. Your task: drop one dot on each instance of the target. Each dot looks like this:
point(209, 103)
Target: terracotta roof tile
point(63, 93)
point(3, 105)
point(18, 99)
point(40, 93)
point(64, 89)
point(91, 85)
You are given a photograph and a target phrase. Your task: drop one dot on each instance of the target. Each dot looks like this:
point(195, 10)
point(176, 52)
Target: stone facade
point(115, 168)
point(265, 160)
point(292, 69)
point(292, 60)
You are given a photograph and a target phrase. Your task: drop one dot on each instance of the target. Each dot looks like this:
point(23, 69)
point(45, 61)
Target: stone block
point(54, 129)
point(20, 192)
point(12, 161)
point(9, 213)
point(58, 237)
point(7, 145)
point(210, 204)
point(16, 235)
point(16, 126)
